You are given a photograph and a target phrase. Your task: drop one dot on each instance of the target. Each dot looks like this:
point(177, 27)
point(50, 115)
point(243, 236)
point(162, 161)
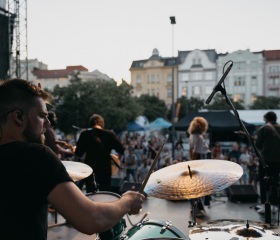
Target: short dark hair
point(20, 93)
point(270, 116)
point(96, 119)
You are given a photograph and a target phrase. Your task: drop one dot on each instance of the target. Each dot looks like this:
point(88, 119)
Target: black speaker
point(116, 185)
point(242, 193)
point(132, 186)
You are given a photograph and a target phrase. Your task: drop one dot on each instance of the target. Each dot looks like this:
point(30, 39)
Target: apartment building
point(154, 76)
point(196, 73)
point(245, 80)
point(272, 73)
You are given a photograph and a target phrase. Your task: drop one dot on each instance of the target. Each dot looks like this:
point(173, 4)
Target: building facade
point(272, 73)
point(245, 80)
point(196, 73)
point(155, 76)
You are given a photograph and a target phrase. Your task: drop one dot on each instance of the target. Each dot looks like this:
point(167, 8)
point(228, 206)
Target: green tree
point(75, 103)
point(153, 107)
point(186, 105)
point(266, 103)
point(219, 103)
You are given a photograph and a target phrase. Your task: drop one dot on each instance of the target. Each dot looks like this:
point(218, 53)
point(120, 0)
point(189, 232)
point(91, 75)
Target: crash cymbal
point(192, 179)
point(77, 170)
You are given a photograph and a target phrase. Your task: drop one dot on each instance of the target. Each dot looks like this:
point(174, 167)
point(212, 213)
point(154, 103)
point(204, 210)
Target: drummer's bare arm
point(91, 217)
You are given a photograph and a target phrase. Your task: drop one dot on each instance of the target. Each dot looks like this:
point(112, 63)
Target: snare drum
point(234, 229)
point(117, 230)
point(152, 230)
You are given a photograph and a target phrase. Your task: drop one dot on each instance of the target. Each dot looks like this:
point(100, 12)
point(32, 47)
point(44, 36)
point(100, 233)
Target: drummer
point(33, 175)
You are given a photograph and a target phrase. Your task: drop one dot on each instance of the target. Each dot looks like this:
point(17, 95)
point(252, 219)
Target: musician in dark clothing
point(268, 142)
point(97, 143)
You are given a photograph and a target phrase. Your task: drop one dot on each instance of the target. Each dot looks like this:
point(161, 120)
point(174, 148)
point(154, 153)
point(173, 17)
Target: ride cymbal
point(77, 170)
point(192, 179)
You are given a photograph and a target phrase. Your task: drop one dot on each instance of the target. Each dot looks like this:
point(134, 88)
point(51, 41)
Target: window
point(208, 76)
point(169, 78)
point(239, 81)
point(138, 79)
point(197, 76)
point(184, 77)
point(208, 89)
point(254, 81)
point(169, 93)
point(184, 91)
point(274, 69)
point(196, 90)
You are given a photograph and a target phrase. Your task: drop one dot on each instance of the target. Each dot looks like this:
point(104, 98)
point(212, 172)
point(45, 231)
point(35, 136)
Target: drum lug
point(168, 224)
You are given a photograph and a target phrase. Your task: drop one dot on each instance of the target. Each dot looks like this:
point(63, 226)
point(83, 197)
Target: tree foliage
point(266, 103)
point(185, 105)
point(153, 107)
point(219, 103)
point(75, 103)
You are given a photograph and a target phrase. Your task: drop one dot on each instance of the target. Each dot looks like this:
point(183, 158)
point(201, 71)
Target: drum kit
point(189, 180)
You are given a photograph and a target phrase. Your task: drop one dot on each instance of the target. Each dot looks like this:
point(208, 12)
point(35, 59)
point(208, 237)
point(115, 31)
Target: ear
point(18, 117)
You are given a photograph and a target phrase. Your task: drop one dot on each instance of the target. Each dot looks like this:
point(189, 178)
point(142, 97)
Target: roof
point(271, 54)
point(58, 73)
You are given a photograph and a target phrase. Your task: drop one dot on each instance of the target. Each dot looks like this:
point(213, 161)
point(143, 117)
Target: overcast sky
point(109, 34)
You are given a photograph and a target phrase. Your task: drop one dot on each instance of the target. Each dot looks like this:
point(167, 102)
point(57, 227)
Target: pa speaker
point(242, 193)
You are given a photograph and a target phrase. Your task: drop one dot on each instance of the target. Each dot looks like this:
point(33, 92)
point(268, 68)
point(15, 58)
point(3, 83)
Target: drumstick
point(141, 189)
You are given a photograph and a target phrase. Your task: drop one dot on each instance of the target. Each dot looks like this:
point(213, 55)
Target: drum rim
point(104, 193)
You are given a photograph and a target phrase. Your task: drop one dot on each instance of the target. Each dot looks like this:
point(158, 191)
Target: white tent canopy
point(256, 116)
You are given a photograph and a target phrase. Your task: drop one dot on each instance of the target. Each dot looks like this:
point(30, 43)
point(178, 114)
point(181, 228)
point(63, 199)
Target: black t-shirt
point(28, 174)
point(98, 144)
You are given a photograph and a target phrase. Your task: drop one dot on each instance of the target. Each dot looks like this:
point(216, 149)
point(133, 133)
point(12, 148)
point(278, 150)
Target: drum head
point(233, 229)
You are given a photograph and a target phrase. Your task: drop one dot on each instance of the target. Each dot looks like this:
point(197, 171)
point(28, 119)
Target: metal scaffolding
point(18, 47)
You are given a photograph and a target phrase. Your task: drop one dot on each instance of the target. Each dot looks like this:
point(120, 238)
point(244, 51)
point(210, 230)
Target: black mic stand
point(267, 177)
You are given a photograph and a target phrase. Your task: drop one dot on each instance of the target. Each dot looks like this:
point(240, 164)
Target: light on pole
point(173, 22)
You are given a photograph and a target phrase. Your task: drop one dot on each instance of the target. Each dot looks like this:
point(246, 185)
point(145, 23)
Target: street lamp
point(173, 22)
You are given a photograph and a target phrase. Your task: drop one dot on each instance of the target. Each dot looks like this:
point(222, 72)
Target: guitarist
point(97, 144)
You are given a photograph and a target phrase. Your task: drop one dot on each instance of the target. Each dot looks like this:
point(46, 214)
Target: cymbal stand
point(194, 209)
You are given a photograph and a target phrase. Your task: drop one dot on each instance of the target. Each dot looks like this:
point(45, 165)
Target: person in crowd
point(40, 173)
point(198, 150)
point(234, 153)
point(54, 143)
point(143, 170)
point(268, 143)
point(244, 161)
point(130, 162)
point(97, 144)
point(179, 152)
point(198, 146)
point(217, 151)
point(253, 171)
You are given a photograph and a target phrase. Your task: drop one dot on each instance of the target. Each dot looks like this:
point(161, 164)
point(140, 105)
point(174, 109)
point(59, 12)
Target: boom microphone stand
point(267, 171)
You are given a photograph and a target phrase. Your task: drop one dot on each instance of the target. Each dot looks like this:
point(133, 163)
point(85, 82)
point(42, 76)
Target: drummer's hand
point(136, 200)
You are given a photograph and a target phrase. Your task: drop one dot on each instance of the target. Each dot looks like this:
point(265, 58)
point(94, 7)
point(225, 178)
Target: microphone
point(215, 89)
